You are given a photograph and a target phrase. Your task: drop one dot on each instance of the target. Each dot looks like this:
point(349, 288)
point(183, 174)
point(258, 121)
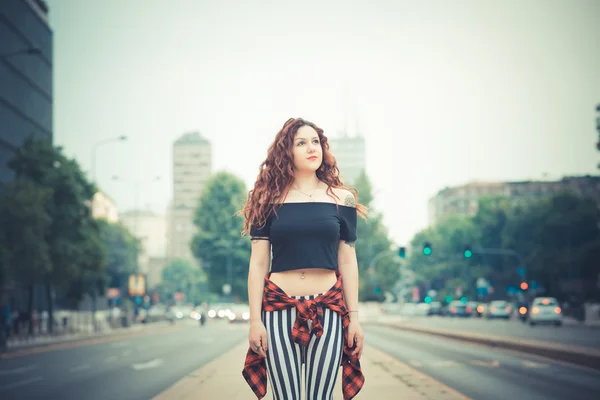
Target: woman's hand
point(257, 338)
point(355, 337)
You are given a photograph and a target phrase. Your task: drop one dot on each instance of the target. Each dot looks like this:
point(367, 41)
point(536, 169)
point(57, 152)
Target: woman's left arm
point(348, 266)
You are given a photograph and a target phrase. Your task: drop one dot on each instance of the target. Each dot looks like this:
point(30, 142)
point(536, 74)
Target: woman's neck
point(306, 182)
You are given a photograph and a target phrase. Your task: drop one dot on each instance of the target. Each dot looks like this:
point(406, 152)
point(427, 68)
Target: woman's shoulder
point(345, 197)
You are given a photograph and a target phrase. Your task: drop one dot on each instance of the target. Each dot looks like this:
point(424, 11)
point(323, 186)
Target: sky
point(444, 92)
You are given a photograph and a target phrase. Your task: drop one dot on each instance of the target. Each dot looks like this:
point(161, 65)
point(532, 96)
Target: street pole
point(230, 273)
point(95, 149)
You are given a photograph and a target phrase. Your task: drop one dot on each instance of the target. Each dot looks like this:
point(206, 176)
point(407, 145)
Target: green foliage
point(122, 251)
point(558, 238)
point(25, 223)
point(373, 239)
point(217, 243)
point(181, 276)
point(47, 233)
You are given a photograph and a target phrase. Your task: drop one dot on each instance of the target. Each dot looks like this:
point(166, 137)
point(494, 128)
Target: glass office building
point(25, 77)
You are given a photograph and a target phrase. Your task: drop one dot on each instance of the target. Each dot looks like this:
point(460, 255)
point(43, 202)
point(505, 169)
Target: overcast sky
point(445, 92)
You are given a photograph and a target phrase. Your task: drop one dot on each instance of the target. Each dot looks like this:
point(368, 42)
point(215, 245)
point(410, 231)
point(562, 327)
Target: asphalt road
point(135, 368)
point(483, 373)
point(566, 334)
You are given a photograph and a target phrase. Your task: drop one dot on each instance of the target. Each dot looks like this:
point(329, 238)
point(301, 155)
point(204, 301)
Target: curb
point(583, 356)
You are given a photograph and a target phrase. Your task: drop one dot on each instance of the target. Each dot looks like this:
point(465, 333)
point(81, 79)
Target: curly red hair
point(276, 174)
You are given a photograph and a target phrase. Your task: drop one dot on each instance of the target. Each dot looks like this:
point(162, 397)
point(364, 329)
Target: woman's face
point(308, 154)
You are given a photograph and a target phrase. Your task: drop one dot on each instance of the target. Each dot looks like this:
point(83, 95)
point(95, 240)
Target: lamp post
point(95, 149)
point(136, 191)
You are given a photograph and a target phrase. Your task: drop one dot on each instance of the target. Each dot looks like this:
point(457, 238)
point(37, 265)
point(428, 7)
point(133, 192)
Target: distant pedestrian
point(305, 308)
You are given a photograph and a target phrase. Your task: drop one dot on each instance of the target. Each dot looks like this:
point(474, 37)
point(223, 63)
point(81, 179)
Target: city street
point(136, 368)
point(144, 366)
point(483, 373)
point(567, 334)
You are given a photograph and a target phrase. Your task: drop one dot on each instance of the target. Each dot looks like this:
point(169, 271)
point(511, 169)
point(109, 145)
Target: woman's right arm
point(260, 261)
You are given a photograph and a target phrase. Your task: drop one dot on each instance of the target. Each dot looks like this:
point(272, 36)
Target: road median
point(385, 378)
point(584, 356)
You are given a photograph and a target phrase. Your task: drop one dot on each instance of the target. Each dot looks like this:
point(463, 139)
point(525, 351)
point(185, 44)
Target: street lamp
point(95, 148)
point(28, 51)
point(136, 188)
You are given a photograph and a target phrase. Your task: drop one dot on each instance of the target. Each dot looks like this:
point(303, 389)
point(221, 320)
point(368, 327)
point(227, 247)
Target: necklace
point(310, 196)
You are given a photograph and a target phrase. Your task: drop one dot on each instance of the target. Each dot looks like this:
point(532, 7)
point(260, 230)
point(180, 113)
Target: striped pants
point(321, 359)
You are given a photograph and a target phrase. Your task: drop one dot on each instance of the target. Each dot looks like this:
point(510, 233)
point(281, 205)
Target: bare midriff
point(315, 281)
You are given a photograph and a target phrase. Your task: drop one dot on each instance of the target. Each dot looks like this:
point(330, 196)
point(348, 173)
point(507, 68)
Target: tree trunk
point(30, 309)
point(94, 298)
point(50, 303)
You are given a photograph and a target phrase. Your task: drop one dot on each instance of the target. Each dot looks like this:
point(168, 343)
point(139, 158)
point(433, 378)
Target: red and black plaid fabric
point(255, 367)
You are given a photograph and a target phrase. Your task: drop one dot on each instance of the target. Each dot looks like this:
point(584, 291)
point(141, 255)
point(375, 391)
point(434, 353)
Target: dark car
point(458, 309)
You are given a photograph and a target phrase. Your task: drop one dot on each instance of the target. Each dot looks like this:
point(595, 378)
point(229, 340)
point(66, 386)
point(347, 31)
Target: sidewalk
point(385, 378)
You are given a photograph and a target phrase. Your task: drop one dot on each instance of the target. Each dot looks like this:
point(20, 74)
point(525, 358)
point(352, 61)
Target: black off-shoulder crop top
point(307, 235)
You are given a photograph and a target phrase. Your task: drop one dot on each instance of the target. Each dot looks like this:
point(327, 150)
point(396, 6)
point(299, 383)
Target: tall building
point(349, 153)
point(464, 200)
point(192, 161)
point(25, 77)
point(151, 230)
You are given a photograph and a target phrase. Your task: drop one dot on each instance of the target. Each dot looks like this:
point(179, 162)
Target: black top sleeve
point(261, 232)
point(347, 223)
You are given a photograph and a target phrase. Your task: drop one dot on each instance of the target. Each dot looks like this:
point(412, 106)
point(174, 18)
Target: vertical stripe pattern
point(284, 361)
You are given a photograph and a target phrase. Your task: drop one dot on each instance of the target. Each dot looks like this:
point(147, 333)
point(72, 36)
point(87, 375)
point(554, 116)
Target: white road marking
point(15, 371)
point(446, 363)
point(483, 363)
point(81, 367)
point(21, 383)
point(150, 364)
point(531, 364)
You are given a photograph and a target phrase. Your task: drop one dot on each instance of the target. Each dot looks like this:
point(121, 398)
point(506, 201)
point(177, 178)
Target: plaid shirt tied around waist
point(274, 298)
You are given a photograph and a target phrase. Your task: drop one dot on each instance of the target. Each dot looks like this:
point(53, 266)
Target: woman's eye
point(316, 141)
point(299, 143)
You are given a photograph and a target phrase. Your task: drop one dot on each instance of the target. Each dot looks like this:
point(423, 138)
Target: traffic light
point(524, 286)
point(427, 248)
point(402, 252)
point(468, 253)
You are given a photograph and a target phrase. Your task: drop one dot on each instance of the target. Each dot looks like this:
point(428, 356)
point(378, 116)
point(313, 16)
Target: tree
point(122, 250)
point(24, 225)
point(558, 238)
point(181, 276)
point(222, 252)
point(373, 239)
point(69, 233)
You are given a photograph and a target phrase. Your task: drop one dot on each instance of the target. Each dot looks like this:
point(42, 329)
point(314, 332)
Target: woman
point(301, 311)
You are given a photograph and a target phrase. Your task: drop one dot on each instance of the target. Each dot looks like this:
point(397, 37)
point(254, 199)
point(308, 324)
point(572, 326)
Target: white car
point(498, 309)
point(545, 310)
